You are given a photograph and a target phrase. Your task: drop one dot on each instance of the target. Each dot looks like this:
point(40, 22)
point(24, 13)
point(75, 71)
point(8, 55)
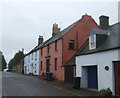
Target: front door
point(117, 77)
point(92, 77)
point(47, 65)
point(69, 74)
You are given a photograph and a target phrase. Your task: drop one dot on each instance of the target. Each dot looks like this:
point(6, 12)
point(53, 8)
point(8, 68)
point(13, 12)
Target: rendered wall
point(101, 59)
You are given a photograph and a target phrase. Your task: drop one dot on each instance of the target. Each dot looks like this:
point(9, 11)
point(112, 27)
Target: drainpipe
point(77, 40)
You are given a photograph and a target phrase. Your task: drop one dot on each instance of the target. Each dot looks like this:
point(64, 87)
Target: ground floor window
point(55, 63)
point(35, 68)
point(41, 66)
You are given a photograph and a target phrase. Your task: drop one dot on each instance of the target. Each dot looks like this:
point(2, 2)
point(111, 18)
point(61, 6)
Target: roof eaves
point(60, 34)
point(98, 51)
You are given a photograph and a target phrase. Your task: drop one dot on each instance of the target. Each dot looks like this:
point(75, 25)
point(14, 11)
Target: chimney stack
point(104, 22)
point(40, 40)
point(55, 29)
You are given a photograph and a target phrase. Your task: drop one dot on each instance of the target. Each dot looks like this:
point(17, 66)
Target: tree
point(11, 63)
point(4, 64)
point(16, 59)
point(0, 61)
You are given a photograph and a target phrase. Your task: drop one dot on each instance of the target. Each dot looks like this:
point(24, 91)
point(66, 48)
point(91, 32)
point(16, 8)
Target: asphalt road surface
point(14, 84)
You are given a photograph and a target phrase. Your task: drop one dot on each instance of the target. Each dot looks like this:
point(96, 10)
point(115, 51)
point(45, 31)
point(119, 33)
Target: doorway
point(117, 77)
point(48, 65)
point(69, 74)
point(92, 77)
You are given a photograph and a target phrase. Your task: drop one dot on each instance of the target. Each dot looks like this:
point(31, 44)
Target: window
point(28, 58)
point(55, 63)
point(41, 66)
point(35, 68)
point(36, 55)
point(71, 44)
point(32, 56)
point(48, 49)
point(28, 67)
point(92, 42)
point(56, 45)
point(41, 51)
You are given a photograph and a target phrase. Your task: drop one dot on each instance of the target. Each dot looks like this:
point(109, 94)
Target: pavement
point(67, 87)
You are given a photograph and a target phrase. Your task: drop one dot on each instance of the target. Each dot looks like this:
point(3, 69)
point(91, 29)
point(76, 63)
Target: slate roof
point(111, 42)
point(59, 34)
point(99, 31)
point(36, 48)
point(53, 39)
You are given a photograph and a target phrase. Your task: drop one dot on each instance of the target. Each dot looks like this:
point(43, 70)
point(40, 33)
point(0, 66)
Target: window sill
point(72, 49)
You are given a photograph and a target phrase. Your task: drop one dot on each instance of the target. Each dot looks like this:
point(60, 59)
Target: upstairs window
point(48, 49)
point(71, 44)
point(56, 45)
point(41, 51)
point(92, 42)
point(32, 56)
point(28, 58)
point(36, 55)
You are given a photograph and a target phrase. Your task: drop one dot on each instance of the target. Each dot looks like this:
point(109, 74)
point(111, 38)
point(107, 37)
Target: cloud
point(23, 22)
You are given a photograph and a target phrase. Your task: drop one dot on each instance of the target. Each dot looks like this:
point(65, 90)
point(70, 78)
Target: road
point(14, 84)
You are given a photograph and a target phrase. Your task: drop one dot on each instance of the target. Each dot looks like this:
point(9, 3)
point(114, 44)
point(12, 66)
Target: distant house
point(98, 62)
point(62, 46)
point(31, 60)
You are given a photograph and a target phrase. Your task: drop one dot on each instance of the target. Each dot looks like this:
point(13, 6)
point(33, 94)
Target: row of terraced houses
point(83, 49)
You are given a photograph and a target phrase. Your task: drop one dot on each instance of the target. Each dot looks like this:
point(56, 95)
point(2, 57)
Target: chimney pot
point(40, 40)
point(104, 22)
point(55, 29)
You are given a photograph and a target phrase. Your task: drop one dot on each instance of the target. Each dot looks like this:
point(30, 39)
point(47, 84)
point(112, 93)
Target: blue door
point(92, 77)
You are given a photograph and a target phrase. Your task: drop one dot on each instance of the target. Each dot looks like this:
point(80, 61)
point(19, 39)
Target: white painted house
point(31, 60)
point(31, 63)
point(98, 62)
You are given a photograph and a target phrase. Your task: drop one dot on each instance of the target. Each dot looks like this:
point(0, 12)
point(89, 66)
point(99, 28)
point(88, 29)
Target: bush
point(106, 92)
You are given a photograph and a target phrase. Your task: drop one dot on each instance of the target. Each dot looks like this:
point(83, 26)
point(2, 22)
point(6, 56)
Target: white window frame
point(32, 56)
point(36, 55)
point(28, 58)
point(92, 42)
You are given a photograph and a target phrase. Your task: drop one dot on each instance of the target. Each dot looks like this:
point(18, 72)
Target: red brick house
point(62, 46)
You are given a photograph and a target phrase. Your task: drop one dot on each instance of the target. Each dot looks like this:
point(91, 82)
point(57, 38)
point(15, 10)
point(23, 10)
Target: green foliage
point(4, 64)
point(0, 61)
point(11, 63)
point(17, 58)
point(106, 92)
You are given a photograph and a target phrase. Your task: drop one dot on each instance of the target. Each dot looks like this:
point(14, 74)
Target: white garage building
point(98, 62)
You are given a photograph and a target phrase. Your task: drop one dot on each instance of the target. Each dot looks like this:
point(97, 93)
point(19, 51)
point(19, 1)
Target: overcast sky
point(22, 22)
